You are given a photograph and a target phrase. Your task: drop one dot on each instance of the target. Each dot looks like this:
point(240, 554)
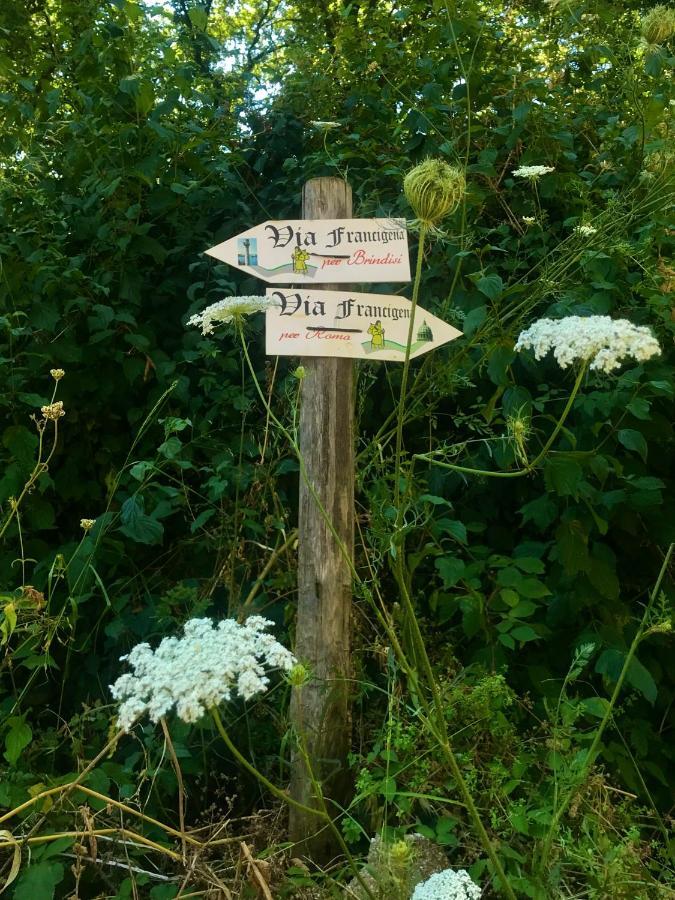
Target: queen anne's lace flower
point(200, 670)
point(532, 172)
point(231, 309)
point(450, 884)
point(585, 230)
point(599, 340)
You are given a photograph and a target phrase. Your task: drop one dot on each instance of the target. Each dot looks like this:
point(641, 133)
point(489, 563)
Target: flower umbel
point(209, 664)
point(57, 374)
point(53, 411)
point(599, 340)
point(529, 220)
point(230, 309)
point(450, 884)
point(585, 230)
point(532, 172)
point(87, 524)
point(434, 189)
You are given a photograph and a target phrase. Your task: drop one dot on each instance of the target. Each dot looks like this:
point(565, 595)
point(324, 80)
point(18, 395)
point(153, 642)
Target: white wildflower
point(209, 664)
point(325, 126)
point(230, 309)
point(599, 340)
point(585, 230)
point(450, 884)
point(529, 220)
point(87, 524)
point(532, 172)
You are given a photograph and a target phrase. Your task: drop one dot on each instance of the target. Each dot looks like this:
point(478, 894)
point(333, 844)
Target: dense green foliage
point(134, 137)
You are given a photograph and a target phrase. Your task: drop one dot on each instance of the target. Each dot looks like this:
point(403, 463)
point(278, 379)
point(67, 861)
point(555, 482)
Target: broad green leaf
point(524, 633)
point(633, 440)
point(39, 881)
point(451, 569)
point(490, 285)
point(17, 739)
point(563, 476)
point(139, 526)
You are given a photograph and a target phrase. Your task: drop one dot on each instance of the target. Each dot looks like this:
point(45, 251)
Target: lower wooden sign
point(350, 325)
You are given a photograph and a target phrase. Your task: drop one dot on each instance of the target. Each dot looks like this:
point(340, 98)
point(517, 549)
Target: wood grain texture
point(320, 709)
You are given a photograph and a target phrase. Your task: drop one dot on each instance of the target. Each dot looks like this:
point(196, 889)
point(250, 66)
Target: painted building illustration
point(424, 333)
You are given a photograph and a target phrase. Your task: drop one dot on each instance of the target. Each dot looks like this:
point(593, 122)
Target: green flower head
point(434, 189)
point(658, 26)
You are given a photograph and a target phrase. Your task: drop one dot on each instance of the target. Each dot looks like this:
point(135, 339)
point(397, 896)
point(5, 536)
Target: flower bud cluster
point(209, 664)
point(53, 411)
point(599, 340)
point(450, 884)
point(230, 309)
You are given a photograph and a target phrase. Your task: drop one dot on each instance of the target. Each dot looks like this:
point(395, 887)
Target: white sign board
point(305, 251)
point(350, 325)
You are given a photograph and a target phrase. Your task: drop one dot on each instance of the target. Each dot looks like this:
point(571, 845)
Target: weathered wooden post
point(320, 709)
point(329, 328)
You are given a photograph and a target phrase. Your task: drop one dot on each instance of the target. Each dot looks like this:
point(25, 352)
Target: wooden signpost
point(330, 327)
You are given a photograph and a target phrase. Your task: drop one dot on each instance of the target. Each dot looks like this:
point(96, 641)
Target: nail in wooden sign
point(349, 325)
point(321, 251)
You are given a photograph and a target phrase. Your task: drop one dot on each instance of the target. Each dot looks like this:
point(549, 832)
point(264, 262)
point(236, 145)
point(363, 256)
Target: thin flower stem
point(531, 466)
point(251, 769)
point(321, 812)
point(404, 376)
point(96, 832)
point(301, 463)
point(609, 712)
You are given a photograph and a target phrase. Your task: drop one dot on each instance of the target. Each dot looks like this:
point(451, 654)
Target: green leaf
point(611, 662)
point(523, 609)
point(603, 577)
point(595, 706)
point(388, 788)
point(473, 320)
point(39, 881)
point(202, 519)
point(17, 739)
point(633, 440)
point(639, 407)
point(137, 525)
point(499, 362)
point(542, 511)
point(530, 564)
point(490, 285)
point(563, 475)
point(451, 569)
point(524, 633)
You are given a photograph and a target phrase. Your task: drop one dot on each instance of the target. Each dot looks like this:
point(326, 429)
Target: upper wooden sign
point(320, 251)
point(350, 325)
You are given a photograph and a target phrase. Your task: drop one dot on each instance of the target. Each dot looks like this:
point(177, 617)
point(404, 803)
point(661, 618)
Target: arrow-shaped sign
point(319, 251)
point(356, 326)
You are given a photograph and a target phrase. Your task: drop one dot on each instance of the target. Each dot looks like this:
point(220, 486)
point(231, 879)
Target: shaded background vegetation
point(134, 137)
